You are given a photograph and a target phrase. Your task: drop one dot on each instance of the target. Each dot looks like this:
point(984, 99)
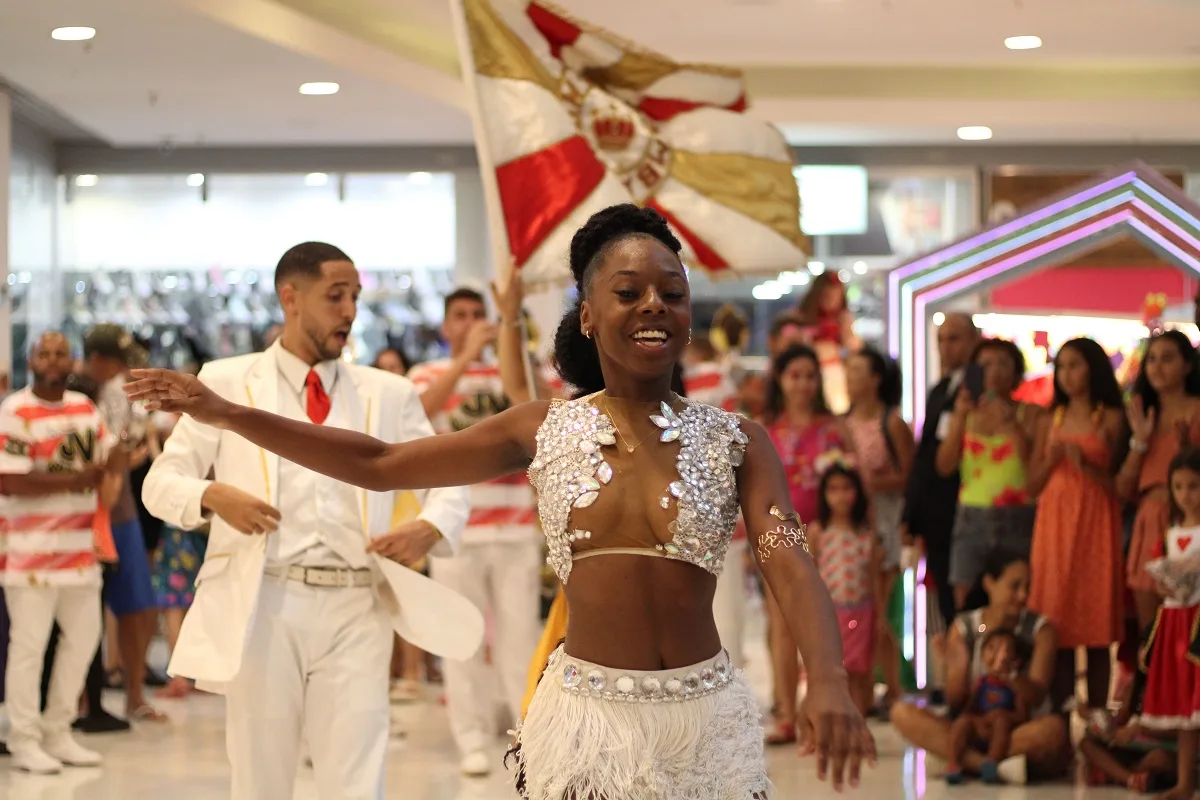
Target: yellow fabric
point(554, 632)
point(406, 508)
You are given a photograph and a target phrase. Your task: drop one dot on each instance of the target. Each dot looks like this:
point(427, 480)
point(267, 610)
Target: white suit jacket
point(378, 403)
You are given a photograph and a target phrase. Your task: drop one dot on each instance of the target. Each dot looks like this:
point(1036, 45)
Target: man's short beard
point(319, 344)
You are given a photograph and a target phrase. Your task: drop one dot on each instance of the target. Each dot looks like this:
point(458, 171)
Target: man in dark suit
point(931, 500)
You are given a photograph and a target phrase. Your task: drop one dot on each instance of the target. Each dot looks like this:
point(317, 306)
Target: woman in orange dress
point(1164, 414)
point(1078, 581)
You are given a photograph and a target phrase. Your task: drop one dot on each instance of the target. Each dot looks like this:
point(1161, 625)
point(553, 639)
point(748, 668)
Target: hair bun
point(615, 222)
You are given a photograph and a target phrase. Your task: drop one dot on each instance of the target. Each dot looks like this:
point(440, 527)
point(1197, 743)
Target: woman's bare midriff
point(640, 613)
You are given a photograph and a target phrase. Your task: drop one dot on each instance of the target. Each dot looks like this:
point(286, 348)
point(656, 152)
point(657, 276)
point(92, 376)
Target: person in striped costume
point(55, 467)
point(499, 565)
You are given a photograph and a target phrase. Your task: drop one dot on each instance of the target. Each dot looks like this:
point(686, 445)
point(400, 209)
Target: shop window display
point(186, 263)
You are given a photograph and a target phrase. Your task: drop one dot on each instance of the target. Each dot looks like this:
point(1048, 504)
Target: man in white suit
point(291, 616)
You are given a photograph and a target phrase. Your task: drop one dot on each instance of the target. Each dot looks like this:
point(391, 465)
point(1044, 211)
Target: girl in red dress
point(1171, 656)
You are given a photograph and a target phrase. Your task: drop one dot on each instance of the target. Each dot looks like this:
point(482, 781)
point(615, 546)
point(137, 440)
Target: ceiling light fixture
point(1023, 42)
point(974, 133)
point(86, 180)
point(319, 87)
point(195, 179)
point(420, 178)
point(860, 268)
point(816, 267)
point(316, 179)
point(73, 34)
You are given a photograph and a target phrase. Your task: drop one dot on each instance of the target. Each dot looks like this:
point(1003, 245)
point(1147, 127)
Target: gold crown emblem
point(613, 131)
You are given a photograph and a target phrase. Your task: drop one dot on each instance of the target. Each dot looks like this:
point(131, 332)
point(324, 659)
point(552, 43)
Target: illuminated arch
point(1134, 200)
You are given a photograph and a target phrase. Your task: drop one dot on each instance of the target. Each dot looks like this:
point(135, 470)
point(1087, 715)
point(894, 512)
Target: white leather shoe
point(33, 759)
point(476, 764)
point(70, 752)
point(1013, 771)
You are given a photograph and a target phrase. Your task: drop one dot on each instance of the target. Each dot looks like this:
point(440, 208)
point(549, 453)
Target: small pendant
point(630, 448)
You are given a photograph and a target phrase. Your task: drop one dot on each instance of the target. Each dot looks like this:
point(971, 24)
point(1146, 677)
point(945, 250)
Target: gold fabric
point(498, 51)
point(760, 188)
point(635, 71)
point(554, 632)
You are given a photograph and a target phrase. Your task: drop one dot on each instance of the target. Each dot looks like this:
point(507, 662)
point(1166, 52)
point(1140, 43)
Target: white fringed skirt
point(595, 733)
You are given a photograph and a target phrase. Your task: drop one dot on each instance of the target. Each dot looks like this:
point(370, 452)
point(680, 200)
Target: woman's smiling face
point(637, 308)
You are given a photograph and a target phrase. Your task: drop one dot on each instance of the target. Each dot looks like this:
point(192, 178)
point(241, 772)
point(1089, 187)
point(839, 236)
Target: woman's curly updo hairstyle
point(575, 354)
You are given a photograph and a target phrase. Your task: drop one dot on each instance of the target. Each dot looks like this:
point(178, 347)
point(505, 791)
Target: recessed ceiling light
point(816, 267)
point(974, 133)
point(860, 267)
point(320, 87)
point(316, 179)
point(938, 318)
point(1023, 42)
point(73, 34)
point(86, 180)
point(420, 178)
point(195, 179)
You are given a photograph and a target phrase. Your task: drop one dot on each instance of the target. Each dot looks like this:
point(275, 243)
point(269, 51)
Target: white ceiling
point(827, 71)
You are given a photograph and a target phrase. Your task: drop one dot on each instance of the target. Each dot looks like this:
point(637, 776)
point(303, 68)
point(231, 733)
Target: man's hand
point(241, 510)
point(88, 478)
point(508, 294)
point(480, 335)
point(407, 544)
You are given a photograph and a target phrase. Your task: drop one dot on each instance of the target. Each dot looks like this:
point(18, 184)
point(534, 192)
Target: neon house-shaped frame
point(1133, 200)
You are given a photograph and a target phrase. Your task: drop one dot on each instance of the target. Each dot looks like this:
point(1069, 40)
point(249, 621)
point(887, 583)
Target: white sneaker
point(33, 759)
point(70, 752)
point(476, 764)
point(1013, 771)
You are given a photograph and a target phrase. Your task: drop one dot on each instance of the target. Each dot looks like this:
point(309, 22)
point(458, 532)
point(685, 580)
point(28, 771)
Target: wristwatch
point(1137, 446)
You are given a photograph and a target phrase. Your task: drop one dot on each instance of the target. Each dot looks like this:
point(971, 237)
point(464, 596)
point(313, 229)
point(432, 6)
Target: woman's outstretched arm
point(489, 449)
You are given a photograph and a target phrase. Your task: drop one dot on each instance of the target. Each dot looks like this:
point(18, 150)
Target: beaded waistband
point(633, 686)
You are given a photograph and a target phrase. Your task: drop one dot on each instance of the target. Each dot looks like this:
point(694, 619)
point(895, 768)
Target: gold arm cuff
point(782, 536)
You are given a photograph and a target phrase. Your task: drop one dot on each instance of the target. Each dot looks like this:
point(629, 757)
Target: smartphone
point(973, 380)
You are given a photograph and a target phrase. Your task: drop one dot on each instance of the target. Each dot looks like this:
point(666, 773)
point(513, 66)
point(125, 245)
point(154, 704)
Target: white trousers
point(315, 667)
point(502, 580)
point(729, 602)
point(32, 612)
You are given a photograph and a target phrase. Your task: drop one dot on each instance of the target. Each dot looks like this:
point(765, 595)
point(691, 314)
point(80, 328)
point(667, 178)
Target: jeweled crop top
point(571, 469)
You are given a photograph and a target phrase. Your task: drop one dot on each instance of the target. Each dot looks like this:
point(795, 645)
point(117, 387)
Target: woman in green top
point(989, 444)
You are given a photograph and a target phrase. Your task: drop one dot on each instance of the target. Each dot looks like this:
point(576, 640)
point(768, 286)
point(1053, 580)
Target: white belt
point(324, 577)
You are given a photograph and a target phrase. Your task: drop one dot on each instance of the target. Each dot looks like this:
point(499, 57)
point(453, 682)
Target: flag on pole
point(571, 119)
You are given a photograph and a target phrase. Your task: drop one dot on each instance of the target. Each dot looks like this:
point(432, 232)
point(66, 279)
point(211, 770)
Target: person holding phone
point(989, 445)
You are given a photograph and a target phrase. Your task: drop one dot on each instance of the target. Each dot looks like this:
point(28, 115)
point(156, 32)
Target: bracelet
point(782, 536)
point(516, 323)
point(1138, 447)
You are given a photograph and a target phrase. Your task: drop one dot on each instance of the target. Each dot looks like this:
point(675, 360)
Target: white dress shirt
point(321, 524)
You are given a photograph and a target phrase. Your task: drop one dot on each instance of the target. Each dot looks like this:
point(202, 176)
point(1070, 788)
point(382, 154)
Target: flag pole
point(502, 258)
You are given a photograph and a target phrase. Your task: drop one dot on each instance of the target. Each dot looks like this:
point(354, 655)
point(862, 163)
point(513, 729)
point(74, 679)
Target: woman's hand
point(1141, 421)
point(832, 727)
point(164, 390)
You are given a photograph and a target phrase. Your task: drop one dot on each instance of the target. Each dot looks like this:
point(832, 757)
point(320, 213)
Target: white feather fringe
point(577, 747)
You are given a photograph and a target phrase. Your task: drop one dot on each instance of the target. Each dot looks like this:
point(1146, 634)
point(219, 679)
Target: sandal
point(176, 688)
point(148, 713)
point(779, 733)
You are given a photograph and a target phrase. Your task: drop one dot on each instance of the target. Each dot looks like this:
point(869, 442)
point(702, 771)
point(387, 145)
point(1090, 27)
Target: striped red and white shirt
point(502, 510)
point(709, 382)
point(49, 541)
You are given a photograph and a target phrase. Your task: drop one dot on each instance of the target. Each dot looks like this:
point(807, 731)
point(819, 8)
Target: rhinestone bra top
point(569, 471)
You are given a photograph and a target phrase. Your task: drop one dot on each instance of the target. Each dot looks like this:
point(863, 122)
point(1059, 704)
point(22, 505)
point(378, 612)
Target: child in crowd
point(1119, 751)
point(994, 710)
point(848, 556)
point(1171, 655)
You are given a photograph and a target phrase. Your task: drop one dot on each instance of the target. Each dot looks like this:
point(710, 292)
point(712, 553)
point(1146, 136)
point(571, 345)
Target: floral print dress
point(176, 562)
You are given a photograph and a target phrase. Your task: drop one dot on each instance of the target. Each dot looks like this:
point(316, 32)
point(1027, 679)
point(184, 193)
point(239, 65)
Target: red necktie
point(317, 401)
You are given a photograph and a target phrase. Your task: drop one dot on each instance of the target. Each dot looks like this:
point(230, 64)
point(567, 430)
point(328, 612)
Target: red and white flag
point(573, 119)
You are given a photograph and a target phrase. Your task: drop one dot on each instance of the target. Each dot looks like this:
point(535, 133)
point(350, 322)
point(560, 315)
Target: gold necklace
point(629, 448)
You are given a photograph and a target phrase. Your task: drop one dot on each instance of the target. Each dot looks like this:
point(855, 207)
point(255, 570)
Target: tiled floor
point(185, 760)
